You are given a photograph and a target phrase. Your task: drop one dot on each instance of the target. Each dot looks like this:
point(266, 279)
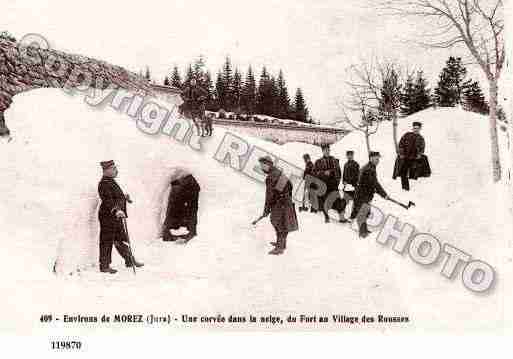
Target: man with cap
point(111, 214)
point(278, 204)
point(309, 186)
point(327, 169)
point(411, 149)
point(182, 206)
point(368, 184)
point(349, 180)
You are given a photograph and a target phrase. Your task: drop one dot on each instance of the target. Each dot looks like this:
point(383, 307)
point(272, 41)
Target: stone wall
point(25, 68)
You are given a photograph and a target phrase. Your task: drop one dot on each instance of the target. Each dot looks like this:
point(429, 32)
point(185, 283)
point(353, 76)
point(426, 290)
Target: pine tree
point(176, 80)
point(408, 97)
point(422, 93)
point(199, 69)
point(237, 90)
point(300, 109)
point(449, 90)
point(189, 75)
point(273, 97)
point(263, 105)
point(415, 96)
point(209, 87)
point(228, 84)
point(147, 74)
point(249, 93)
point(220, 92)
point(283, 110)
point(473, 98)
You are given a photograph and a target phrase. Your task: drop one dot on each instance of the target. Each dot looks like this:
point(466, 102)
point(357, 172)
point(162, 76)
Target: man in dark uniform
point(278, 203)
point(349, 180)
point(411, 149)
point(112, 212)
point(327, 169)
point(194, 98)
point(182, 207)
point(307, 174)
point(368, 184)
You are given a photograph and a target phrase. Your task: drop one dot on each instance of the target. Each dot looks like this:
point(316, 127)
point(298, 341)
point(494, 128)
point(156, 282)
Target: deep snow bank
point(50, 172)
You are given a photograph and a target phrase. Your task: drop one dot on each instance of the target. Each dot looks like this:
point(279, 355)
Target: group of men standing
point(322, 182)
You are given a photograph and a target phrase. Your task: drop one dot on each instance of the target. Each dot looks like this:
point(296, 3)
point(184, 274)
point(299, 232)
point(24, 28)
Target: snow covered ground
point(50, 172)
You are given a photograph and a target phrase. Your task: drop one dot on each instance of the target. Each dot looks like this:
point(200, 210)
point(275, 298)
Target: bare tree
point(476, 24)
point(375, 91)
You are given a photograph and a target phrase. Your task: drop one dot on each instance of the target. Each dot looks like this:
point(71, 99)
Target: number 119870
point(66, 345)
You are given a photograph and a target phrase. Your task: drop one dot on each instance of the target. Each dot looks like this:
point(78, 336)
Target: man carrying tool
point(111, 215)
point(368, 184)
point(278, 204)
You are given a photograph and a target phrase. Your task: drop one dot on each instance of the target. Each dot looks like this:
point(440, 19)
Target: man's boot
point(364, 232)
point(136, 264)
point(108, 270)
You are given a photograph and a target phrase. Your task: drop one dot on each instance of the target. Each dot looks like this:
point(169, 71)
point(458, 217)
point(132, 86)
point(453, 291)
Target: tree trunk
point(394, 133)
point(494, 141)
point(367, 141)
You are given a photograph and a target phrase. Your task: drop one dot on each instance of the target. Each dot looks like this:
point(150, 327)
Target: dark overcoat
point(368, 185)
point(420, 168)
point(351, 173)
point(278, 202)
point(411, 145)
point(330, 165)
point(112, 200)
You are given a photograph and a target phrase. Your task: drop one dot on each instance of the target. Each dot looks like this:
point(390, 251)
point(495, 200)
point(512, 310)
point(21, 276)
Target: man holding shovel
point(278, 204)
point(111, 215)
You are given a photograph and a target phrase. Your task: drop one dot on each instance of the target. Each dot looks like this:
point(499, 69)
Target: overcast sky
point(312, 41)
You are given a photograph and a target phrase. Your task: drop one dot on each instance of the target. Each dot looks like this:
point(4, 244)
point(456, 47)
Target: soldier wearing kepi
point(368, 184)
point(411, 149)
point(112, 212)
point(349, 181)
point(278, 204)
point(327, 169)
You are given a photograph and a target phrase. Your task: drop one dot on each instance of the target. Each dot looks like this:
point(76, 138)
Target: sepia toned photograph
point(249, 166)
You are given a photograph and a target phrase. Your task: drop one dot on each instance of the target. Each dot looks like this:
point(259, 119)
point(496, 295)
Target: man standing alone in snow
point(368, 184)
point(349, 180)
point(111, 214)
point(278, 203)
point(411, 149)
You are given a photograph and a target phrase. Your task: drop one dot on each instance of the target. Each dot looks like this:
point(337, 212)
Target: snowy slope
point(49, 177)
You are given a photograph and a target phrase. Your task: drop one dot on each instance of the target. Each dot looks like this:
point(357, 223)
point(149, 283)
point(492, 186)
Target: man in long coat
point(278, 204)
point(182, 206)
point(411, 149)
point(327, 169)
point(349, 180)
point(111, 214)
point(368, 185)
